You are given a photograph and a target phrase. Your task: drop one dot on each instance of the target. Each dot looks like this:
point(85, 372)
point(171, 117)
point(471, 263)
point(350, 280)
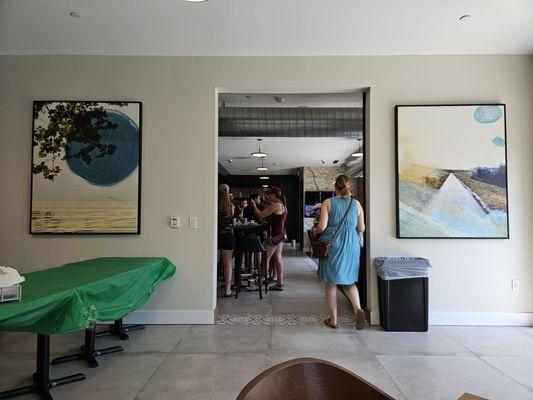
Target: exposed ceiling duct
point(290, 122)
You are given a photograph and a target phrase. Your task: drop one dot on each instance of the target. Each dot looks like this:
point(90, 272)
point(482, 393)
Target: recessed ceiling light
point(264, 177)
point(75, 14)
point(229, 161)
point(465, 17)
point(357, 154)
point(262, 168)
point(335, 161)
point(279, 99)
point(196, 1)
point(265, 186)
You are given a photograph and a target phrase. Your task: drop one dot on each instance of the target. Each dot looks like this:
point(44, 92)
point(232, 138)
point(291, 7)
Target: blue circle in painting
point(488, 114)
point(113, 168)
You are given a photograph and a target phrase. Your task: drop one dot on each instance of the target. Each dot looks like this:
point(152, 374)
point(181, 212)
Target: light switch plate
point(193, 222)
point(175, 222)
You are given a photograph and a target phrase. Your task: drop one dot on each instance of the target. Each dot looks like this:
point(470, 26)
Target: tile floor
point(216, 362)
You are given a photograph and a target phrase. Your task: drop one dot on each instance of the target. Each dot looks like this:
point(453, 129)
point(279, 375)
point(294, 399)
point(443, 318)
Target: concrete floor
point(216, 362)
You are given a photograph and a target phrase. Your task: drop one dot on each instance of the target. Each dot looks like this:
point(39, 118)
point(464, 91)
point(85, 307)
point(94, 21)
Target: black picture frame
point(139, 166)
point(397, 171)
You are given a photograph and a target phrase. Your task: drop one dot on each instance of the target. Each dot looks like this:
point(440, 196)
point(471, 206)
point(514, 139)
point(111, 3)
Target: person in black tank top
point(277, 211)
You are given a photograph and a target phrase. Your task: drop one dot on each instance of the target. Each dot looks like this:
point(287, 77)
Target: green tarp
point(71, 297)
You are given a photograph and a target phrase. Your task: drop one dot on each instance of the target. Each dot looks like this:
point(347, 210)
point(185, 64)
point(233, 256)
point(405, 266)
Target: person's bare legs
point(331, 301)
point(270, 266)
point(278, 258)
point(226, 259)
point(353, 294)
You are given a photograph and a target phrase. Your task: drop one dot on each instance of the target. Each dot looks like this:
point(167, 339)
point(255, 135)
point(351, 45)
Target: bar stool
point(249, 245)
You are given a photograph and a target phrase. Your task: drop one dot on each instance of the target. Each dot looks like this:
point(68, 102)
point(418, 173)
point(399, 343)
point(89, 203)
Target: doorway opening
point(298, 142)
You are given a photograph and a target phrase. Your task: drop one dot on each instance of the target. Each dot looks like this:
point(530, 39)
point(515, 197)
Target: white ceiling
point(266, 27)
point(326, 100)
point(289, 153)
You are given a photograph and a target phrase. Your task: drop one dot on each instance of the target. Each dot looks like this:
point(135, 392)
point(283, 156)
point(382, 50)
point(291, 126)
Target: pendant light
point(259, 153)
point(262, 167)
point(264, 177)
point(358, 153)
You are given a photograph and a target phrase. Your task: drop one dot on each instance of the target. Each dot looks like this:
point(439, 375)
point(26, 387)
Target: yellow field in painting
point(84, 217)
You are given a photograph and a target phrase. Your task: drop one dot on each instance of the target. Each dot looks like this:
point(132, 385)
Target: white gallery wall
point(470, 280)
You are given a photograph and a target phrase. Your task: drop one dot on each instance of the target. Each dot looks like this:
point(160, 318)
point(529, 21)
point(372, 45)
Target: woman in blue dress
point(341, 267)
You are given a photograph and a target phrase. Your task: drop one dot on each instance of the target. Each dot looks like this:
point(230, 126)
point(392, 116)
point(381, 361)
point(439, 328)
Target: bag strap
point(342, 220)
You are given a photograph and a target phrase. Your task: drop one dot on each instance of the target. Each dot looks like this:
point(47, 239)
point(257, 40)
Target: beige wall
point(179, 159)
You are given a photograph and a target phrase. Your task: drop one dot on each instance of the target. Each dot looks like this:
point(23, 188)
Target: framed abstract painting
point(451, 171)
point(86, 167)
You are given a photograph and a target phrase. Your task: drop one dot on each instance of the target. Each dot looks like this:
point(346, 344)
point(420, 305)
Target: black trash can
point(403, 293)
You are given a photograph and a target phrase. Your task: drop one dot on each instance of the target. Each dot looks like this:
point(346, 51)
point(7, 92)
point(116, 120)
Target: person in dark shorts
point(226, 237)
point(277, 211)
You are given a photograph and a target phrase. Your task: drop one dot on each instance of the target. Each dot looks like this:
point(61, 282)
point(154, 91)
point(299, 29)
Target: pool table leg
point(42, 382)
point(118, 329)
point(89, 352)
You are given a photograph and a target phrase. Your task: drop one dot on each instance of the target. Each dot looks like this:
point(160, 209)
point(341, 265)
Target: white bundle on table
point(9, 277)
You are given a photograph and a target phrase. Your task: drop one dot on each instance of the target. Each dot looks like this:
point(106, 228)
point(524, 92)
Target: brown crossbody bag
point(321, 249)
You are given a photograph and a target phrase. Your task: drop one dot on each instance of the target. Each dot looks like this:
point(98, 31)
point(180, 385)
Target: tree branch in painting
point(69, 122)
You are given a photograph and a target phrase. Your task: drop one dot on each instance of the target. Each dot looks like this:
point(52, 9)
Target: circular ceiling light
point(265, 186)
point(357, 154)
point(75, 14)
point(259, 153)
point(264, 177)
point(262, 167)
point(465, 17)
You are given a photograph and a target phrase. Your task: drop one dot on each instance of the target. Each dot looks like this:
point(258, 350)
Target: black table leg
point(89, 352)
point(41, 379)
point(118, 329)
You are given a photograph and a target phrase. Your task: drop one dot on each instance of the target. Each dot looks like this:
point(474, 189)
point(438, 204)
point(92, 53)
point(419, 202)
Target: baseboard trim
point(480, 318)
point(472, 318)
point(162, 317)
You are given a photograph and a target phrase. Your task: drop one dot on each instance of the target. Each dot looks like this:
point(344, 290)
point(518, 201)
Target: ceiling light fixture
point(358, 152)
point(264, 177)
point(75, 14)
point(259, 153)
point(279, 99)
point(265, 186)
point(196, 1)
point(262, 167)
point(465, 17)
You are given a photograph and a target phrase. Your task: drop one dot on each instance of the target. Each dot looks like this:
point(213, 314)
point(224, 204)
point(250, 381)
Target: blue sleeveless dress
point(342, 265)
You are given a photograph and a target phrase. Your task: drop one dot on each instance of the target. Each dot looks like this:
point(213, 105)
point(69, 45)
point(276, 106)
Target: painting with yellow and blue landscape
point(451, 171)
point(86, 167)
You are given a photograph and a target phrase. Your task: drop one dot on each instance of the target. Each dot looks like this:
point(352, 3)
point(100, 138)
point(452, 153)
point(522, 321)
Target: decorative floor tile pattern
point(279, 319)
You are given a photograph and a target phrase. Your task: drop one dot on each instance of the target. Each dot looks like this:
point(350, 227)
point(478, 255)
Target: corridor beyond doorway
point(302, 303)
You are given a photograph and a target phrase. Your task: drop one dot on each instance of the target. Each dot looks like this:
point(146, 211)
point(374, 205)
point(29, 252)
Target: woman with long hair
point(277, 211)
point(226, 236)
point(341, 267)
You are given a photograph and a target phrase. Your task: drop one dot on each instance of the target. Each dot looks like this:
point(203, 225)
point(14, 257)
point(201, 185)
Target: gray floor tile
point(433, 342)
point(518, 368)
point(115, 372)
point(367, 368)
point(216, 339)
point(15, 370)
point(314, 339)
point(492, 341)
point(203, 376)
point(445, 378)
point(310, 305)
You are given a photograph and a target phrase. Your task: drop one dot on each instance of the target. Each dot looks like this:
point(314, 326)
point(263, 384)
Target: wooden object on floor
point(310, 379)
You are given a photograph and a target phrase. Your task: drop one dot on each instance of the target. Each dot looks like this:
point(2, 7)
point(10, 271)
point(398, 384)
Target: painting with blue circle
point(452, 171)
point(86, 167)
